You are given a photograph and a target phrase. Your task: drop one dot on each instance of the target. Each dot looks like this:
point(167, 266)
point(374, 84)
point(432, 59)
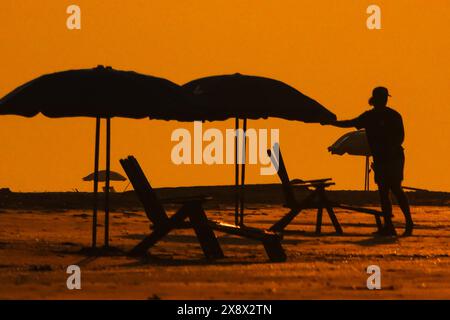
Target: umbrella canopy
point(353, 143)
point(252, 97)
point(98, 92)
point(113, 176)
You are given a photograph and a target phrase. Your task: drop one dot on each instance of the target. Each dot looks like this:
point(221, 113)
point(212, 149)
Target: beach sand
point(36, 247)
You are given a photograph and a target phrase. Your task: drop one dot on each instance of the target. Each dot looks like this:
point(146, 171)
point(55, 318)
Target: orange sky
point(322, 48)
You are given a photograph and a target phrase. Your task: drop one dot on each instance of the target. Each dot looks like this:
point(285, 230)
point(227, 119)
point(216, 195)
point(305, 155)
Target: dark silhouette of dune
point(223, 196)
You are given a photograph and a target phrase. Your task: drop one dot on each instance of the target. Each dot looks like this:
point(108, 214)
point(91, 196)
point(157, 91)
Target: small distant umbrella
point(354, 143)
point(100, 92)
point(252, 97)
point(113, 176)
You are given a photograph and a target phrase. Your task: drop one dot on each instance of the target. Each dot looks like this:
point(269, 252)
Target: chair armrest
point(320, 184)
point(314, 181)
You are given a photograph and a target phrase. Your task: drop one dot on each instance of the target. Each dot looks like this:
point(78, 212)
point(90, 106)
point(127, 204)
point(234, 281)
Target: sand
point(36, 247)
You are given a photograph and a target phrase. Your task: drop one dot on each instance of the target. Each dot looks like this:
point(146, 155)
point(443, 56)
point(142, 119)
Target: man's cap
point(380, 92)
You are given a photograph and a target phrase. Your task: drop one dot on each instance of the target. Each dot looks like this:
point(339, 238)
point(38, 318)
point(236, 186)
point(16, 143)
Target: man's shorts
point(389, 172)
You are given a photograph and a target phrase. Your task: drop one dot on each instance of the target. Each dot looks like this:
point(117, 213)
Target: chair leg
point(323, 200)
point(334, 220)
point(205, 235)
point(319, 220)
point(281, 224)
point(149, 241)
point(274, 250)
point(158, 233)
point(378, 222)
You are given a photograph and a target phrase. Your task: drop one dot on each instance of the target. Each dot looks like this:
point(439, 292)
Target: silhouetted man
point(385, 134)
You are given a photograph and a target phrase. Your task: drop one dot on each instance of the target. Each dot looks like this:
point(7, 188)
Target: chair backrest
point(146, 194)
point(288, 191)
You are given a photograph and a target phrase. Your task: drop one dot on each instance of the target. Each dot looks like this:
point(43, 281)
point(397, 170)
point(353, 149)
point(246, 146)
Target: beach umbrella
point(113, 176)
point(101, 93)
point(98, 92)
point(102, 175)
point(252, 97)
point(354, 143)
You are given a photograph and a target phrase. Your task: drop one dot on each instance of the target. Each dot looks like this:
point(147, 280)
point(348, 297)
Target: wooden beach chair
point(317, 198)
point(160, 220)
point(191, 208)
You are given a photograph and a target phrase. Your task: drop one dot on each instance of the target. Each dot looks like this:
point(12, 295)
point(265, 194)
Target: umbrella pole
point(236, 172)
point(108, 161)
point(95, 206)
point(366, 175)
point(244, 157)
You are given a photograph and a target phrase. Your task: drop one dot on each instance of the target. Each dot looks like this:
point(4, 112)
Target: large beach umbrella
point(100, 92)
point(251, 97)
point(354, 143)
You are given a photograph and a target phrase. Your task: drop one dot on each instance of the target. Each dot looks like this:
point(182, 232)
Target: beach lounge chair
point(160, 220)
point(317, 198)
point(191, 208)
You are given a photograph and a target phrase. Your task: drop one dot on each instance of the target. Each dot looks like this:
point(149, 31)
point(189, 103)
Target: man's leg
point(402, 200)
point(386, 207)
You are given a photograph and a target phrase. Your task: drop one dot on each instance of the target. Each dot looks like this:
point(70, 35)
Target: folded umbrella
point(354, 143)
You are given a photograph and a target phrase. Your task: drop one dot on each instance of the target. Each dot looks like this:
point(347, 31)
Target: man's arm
point(345, 123)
